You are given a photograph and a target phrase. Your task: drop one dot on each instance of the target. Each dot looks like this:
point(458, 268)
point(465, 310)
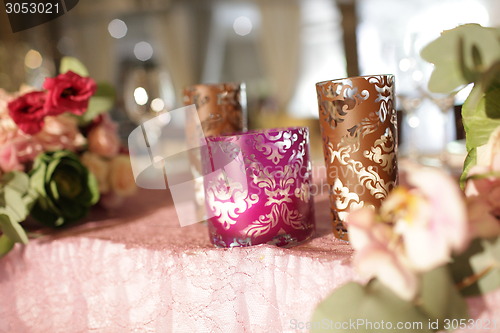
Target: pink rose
point(380, 253)
point(483, 202)
point(28, 112)
point(68, 92)
point(60, 132)
point(8, 158)
point(418, 228)
point(103, 138)
point(431, 217)
point(27, 148)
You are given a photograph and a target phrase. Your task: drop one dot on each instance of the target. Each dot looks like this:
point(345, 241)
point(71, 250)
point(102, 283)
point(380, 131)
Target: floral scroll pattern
point(227, 200)
point(277, 208)
point(358, 126)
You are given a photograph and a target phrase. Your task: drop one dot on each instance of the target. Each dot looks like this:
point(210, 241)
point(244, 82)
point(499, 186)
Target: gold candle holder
point(221, 109)
point(359, 130)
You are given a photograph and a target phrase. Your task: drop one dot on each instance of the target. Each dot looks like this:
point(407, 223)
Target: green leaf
point(102, 101)
point(478, 126)
point(6, 244)
point(42, 214)
point(15, 207)
point(440, 298)
point(18, 181)
point(469, 162)
point(74, 65)
point(30, 198)
point(492, 106)
point(358, 304)
point(13, 230)
point(477, 271)
point(461, 55)
point(14, 186)
point(93, 195)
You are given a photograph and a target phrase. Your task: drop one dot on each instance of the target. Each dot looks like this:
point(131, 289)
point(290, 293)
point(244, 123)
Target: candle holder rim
point(258, 131)
point(352, 78)
point(213, 85)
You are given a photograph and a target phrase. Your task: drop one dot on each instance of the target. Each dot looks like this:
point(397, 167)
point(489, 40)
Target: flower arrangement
point(60, 153)
point(433, 243)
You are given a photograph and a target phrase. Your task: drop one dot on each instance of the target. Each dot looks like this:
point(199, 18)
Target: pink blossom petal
point(448, 220)
point(360, 225)
point(378, 262)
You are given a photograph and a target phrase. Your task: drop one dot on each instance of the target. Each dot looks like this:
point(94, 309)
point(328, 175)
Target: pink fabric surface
point(136, 270)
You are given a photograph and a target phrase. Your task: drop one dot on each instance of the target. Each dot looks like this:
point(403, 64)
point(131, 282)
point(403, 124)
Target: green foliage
point(74, 65)
point(376, 303)
point(461, 55)
point(469, 54)
point(15, 202)
point(102, 101)
point(439, 298)
point(66, 189)
point(469, 162)
point(477, 270)
point(478, 125)
point(6, 244)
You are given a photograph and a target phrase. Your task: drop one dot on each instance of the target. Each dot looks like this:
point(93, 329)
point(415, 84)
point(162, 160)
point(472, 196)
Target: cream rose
point(121, 177)
point(100, 168)
point(103, 139)
point(60, 132)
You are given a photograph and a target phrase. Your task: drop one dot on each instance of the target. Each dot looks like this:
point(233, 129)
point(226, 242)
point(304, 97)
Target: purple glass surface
point(266, 197)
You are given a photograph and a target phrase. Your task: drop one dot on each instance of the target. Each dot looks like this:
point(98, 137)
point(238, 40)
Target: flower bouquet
point(60, 153)
point(433, 243)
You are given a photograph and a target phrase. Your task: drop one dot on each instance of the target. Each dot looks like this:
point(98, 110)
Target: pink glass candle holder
point(265, 196)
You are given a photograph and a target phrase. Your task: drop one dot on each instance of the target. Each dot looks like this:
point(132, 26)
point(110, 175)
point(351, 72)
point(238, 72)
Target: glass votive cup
point(358, 124)
point(221, 109)
point(264, 197)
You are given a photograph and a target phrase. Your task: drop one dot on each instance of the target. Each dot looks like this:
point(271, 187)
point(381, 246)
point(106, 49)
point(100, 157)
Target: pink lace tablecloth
point(136, 270)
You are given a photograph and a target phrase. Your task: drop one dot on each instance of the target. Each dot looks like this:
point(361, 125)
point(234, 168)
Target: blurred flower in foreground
point(65, 188)
point(483, 190)
point(418, 227)
point(103, 137)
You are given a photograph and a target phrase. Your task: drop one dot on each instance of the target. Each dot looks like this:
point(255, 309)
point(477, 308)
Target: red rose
point(28, 111)
point(68, 92)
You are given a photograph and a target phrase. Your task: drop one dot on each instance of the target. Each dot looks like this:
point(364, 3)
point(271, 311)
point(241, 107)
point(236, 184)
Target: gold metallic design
point(336, 99)
point(354, 114)
point(367, 176)
point(343, 197)
point(383, 152)
point(227, 199)
point(274, 151)
point(304, 192)
point(277, 192)
point(268, 221)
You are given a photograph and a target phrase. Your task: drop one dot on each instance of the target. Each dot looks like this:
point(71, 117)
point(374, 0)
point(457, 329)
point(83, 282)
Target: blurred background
point(151, 49)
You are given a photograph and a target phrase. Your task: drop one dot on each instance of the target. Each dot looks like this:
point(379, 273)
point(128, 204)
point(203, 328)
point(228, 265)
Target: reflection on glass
point(147, 91)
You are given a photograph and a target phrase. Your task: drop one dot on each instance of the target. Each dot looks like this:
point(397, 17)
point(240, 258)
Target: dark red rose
point(68, 92)
point(28, 111)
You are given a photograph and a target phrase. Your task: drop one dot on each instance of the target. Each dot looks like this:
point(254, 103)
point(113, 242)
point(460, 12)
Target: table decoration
point(359, 130)
point(431, 243)
point(264, 199)
point(221, 109)
point(60, 153)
